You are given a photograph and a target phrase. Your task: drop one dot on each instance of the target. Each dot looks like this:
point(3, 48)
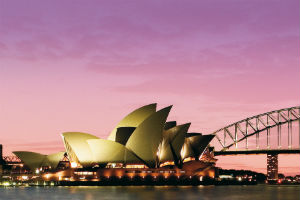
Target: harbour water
point(246, 192)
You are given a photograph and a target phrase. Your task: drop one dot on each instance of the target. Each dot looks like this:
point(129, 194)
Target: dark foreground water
point(256, 192)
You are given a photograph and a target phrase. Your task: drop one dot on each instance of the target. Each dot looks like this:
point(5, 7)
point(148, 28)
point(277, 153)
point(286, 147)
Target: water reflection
point(259, 192)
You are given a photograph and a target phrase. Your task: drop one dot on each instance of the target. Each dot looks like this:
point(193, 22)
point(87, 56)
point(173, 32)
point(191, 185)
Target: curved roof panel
point(77, 147)
point(170, 124)
point(165, 151)
point(133, 119)
point(179, 138)
point(54, 159)
point(31, 159)
point(107, 151)
point(36, 160)
point(186, 150)
point(123, 134)
point(173, 140)
point(146, 138)
point(199, 143)
point(195, 144)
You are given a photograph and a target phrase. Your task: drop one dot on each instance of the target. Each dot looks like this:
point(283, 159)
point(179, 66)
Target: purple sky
point(83, 65)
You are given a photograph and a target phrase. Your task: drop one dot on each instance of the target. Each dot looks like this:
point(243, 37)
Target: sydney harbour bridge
point(271, 133)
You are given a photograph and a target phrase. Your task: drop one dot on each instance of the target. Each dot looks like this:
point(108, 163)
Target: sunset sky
point(68, 65)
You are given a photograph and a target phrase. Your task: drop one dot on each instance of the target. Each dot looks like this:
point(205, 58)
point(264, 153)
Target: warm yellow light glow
point(135, 166)
point(183, 151)
point(47, 176)
point(188, 159)
point(6, 184)
point(74, 164)
point(167, 163)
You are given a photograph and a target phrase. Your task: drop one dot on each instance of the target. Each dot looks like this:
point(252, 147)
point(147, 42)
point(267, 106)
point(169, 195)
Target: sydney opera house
point(142, 145)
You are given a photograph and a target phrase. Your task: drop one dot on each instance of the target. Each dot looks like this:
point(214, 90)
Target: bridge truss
point(260, 126)
point(11, 160)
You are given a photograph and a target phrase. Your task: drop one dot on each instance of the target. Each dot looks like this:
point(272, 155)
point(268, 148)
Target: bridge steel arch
point(255, 125)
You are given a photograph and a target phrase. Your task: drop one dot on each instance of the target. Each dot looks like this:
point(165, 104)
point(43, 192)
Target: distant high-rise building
point(272, 166)
point(1, 156)
point(1, 160)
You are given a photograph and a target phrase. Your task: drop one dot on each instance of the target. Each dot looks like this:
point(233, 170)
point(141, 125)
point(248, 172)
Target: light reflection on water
point(259, 192)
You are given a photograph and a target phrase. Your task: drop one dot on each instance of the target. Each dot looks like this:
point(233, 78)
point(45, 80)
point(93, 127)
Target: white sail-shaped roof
point(186, 150)
point(107, 151)
point(133, 119)
point(178, 140)
point(54, 159)
point(36, 160)
point(77, 147)
point(123, 134)
point(32, 159)
point(195, 144)
point(199, 143)
point(146, 138)
point(173, 140)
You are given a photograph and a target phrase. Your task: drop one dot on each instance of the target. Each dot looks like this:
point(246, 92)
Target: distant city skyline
point(82, 66)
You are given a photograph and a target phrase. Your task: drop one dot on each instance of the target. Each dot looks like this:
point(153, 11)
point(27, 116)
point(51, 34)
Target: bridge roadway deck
point(257, 151)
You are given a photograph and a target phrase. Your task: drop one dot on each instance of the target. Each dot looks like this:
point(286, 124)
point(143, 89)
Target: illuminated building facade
point(272, 166)
point(143, 144)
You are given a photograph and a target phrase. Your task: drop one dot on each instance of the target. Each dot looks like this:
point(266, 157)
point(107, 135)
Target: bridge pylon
point(272, 166)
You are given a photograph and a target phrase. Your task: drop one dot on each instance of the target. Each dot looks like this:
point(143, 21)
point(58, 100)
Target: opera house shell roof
point(142, 137)
point(36, 160)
